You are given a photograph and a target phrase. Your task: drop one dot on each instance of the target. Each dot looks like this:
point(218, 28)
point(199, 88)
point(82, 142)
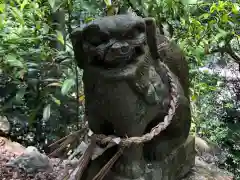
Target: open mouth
point(111, 61)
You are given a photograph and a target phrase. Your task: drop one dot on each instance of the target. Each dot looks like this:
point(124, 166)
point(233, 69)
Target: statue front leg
point(131, 164)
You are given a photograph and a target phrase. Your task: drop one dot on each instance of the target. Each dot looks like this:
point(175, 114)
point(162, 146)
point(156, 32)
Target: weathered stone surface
point(4, 125)
point(31, 161)
point(205, 171)
point(10, 146)
point(176, 165)
point(205, 167)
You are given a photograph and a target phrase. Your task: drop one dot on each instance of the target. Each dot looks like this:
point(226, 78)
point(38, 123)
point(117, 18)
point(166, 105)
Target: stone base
point(205, 171)
point(173, 167)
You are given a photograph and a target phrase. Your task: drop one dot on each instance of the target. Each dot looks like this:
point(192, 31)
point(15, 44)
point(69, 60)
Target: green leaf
point(224, 18)
point(221, 34)
point(2, 20)
point(88, 19)
point(60, 37)
point(38, 24)
point(47, 112)
point(108, 2)
point(187, 2)
point(67, 85)
point(52, 3)
point(206, 71)
point(18, 15)
point(194, 97)
point(205, 16)
point(12, 60)
point(23, 4)
point(55, 4)
point(213, 8)
point(235, 8)
point(228, 105)
point(54, 84)
point(199, 52)
point(20, 94)
point(57, 101)
point(2, 7)
point(45, 28)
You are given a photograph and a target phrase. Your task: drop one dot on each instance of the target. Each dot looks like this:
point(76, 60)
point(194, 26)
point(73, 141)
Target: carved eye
point(93, 35)
point(97, 38)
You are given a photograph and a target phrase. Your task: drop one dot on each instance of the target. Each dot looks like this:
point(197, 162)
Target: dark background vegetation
point(40, 84)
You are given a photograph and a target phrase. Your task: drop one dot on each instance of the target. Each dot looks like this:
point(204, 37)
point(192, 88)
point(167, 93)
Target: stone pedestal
point(176, 165)
point(205, 171)
point(173, 167)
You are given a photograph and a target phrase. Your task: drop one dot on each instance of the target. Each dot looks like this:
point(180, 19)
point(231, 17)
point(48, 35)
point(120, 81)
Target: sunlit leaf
point(108, 2)
point(56, 84)
point(60, 37)
point(225, 18)
point(67, 85)
point(111, 10)
point(193, 98)
point(57, 101)
point(20, 94)
point(13, 60)
point(235, 8)
point(199, 52)
point(82, 98)
point(205, 16)
point(221, 34)
point(2, 7)
point(228, 105)
point(213, 8)
point(220, 6)
point(186, 2)
point(212, 88)
point(38, 24)
point(45, 28)
point(23, 4)
point(89, 19)
point(47, 112)
point(52, 3)
point(2, 20)
point(18, 15)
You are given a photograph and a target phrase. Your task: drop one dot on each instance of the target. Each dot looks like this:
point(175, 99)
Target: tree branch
point(135, 9)
point(228, 50)
point(231, 53)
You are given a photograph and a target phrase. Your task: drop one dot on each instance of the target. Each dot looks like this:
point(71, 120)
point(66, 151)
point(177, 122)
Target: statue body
point(127, 90)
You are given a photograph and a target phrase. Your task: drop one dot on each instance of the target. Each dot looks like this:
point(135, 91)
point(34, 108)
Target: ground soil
point(8, 150)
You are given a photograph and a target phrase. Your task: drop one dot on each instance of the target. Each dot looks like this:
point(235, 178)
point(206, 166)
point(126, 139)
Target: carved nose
point(120, 47)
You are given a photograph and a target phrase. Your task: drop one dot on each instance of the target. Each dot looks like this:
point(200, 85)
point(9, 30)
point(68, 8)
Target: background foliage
point(40, 84)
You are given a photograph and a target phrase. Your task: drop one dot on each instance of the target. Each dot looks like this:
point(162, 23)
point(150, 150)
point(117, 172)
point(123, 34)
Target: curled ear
point(151, 32)
point(77, 43)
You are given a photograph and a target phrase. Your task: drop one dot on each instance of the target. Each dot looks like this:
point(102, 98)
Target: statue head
point(111, 41)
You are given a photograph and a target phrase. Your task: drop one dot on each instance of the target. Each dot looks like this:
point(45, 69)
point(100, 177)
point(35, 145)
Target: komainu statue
point(135, 78)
